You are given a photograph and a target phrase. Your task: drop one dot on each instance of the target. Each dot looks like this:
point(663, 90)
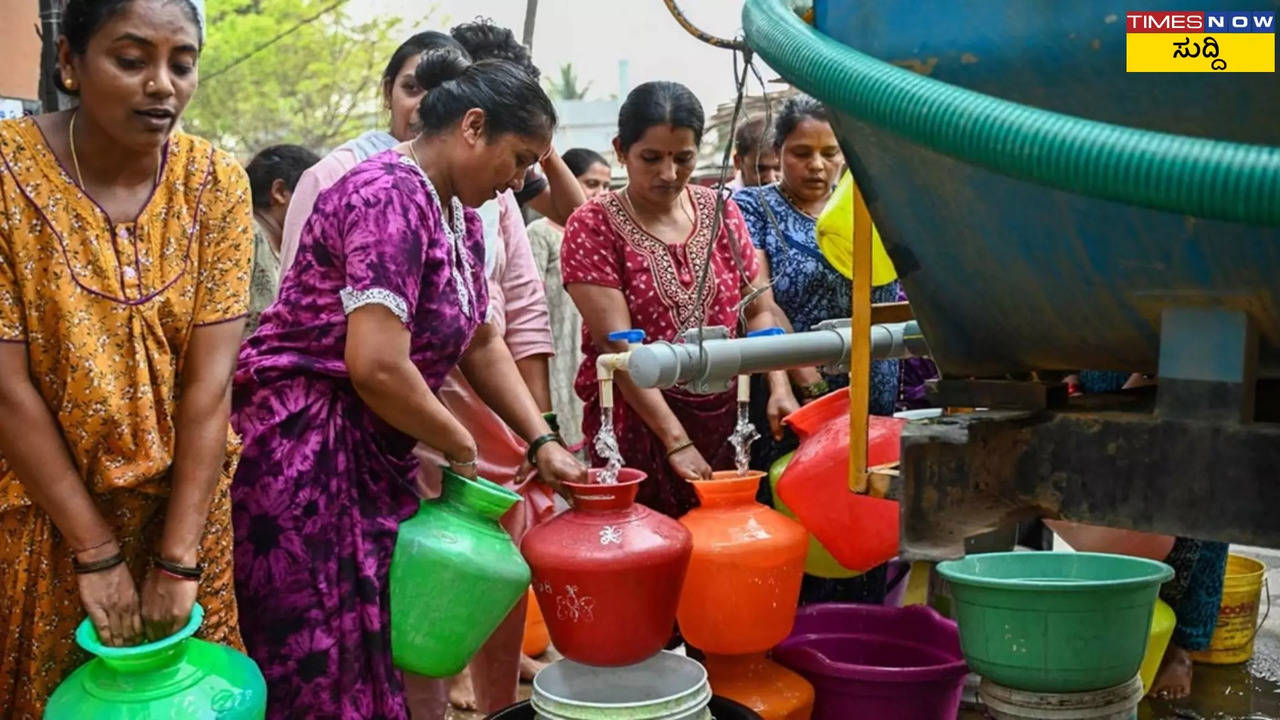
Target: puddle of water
point(1249, 691)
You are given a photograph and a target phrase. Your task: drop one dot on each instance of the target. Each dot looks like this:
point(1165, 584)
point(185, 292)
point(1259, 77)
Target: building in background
point(719, 133)
point(19, 58)
point(589, 124)
point(592, 124)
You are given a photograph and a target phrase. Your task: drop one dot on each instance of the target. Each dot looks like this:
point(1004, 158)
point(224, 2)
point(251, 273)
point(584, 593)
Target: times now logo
point(1195, 22)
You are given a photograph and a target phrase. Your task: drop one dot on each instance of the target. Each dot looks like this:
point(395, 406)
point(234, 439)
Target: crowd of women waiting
point(361, 321)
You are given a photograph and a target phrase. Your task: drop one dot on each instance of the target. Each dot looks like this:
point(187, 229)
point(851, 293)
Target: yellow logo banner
point(1204, 52)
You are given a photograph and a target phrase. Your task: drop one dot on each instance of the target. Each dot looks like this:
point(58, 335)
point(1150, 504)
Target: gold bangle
point(473, 462)
point(682, 446)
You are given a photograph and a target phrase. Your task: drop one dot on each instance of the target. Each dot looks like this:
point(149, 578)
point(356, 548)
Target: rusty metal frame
point(1106, 460)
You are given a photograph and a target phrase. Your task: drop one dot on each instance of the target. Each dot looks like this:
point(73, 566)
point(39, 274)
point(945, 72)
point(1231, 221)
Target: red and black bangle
point(181, 572)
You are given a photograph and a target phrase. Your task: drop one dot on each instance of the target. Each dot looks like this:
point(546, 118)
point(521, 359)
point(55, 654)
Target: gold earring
point(69, 83)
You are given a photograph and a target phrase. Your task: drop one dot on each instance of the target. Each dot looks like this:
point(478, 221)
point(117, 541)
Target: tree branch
point(278, 37)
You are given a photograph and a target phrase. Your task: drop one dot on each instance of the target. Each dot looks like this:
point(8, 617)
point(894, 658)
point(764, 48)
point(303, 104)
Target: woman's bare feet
point(529, 667)
point(462, 695)
point(1173, 680)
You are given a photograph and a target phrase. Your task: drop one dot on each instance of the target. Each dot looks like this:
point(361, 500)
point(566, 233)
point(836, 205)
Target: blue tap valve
point(631, 337)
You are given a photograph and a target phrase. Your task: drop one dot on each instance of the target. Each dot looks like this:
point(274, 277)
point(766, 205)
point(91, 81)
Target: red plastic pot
point(859, 531)
point(607, 574)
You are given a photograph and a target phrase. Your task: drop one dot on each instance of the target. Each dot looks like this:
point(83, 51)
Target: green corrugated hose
point(1212, 179)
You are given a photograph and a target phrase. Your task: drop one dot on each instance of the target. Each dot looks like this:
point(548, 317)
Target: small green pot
point(455, 574)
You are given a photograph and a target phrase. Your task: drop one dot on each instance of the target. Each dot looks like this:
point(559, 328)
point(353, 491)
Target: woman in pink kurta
point(401, 95)
point(518, 310)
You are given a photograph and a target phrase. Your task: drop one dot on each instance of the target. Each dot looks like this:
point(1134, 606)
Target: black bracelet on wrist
point(96, 565)
point(190, 572)
point(538, 443)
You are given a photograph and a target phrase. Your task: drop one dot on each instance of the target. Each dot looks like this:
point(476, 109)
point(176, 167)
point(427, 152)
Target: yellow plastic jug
point(835, 237)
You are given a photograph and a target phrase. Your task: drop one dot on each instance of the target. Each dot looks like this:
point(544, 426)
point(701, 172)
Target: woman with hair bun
point(340, 381)
point(401, 95)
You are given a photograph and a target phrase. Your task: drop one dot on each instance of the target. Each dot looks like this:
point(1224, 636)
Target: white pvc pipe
point(716, 362)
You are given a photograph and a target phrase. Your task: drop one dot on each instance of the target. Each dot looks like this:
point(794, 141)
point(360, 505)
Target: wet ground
point(1236, 692)
point(1250, 691)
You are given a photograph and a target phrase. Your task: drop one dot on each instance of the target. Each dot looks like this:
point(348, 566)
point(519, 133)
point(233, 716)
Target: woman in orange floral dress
point(125, 250)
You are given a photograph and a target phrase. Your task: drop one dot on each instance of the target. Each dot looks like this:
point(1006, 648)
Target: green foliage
point(566, 86)
point(315, 83)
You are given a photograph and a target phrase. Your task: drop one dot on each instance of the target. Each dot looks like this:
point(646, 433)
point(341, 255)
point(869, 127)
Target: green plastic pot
point(455, 574)
point(177, 677)
point(1054, 622)
point(819, 561)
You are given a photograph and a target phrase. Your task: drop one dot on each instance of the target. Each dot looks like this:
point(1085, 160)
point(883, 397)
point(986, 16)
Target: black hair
point(278, 162)
point(414, 46)
point(82, 18)
point(750, 137)
point(659, 103)
point(795, 109)
point(484, 40)
point(580, 160)
point(512, 100)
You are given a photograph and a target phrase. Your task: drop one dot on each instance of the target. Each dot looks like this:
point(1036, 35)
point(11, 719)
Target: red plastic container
point(877, 662)
point(859, 531)
point(607, 574)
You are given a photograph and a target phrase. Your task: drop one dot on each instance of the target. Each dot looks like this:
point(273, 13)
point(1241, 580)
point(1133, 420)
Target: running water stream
point(744, 433)
point(606, 444)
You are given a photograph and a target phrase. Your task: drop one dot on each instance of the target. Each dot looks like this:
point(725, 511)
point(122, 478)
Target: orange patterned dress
point(106, 311)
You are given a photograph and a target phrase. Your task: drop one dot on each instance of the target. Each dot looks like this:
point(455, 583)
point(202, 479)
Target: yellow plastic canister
point(1162, 624)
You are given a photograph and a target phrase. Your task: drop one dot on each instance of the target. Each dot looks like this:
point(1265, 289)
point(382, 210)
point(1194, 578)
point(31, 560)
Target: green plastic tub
point(1054, 622)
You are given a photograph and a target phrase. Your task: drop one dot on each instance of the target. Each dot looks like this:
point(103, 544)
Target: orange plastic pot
point(743, 584)
point(859, 531)
point(536, 638)
point(774, 692)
